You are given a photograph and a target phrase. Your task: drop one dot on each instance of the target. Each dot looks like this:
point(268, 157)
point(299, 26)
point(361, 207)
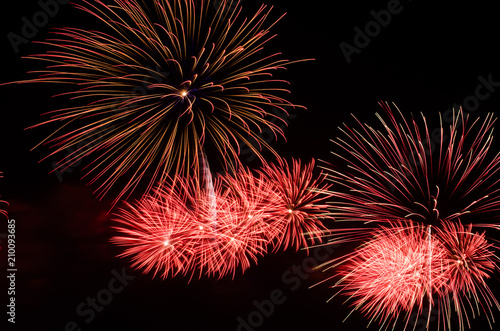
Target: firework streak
point(2, 211)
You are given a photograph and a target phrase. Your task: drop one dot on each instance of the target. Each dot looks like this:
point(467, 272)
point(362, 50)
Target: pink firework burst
point(298, 202)
point(394, 273)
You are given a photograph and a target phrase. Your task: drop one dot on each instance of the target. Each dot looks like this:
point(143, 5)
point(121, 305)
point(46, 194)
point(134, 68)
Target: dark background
point(426, 60)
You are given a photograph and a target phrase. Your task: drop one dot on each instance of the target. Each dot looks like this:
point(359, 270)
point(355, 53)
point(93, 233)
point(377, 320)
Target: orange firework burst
point(207, 83)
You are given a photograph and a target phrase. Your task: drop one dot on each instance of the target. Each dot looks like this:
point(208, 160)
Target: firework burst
point(216, 227)
point(402, 172)
point(180, 230)
point(164, 245)
point(440, 180)
point(255, 195)
point(395, 272)
point(298, 202)
point(469, 261)
point(206, 83)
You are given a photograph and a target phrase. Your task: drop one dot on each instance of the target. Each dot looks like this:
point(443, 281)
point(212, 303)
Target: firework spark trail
point(400, 174)
point(430, 260)
point(218, 92)
point(2, 202)
point(209, 187)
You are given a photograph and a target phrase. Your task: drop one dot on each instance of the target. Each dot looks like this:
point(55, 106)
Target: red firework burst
point(255, 195)
point(469, 261)
point(206, 82)
point(164, 245)
point(395, 272)
point(402, 172)
point(187, 229)
point(297, 202)
point(243, 236)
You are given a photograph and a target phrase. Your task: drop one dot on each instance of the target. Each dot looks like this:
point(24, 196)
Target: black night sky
point(426, 59)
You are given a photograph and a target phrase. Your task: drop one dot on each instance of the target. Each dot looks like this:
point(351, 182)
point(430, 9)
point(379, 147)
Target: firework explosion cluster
point(190, 228)
point(419, 208)
point(423, 204)
point(209, 87)
point(165, 84)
